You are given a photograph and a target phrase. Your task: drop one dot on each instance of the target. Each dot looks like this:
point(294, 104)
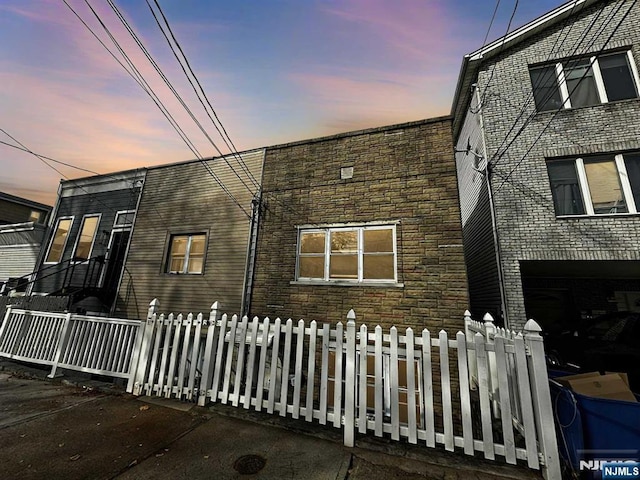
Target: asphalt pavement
point(87, 429)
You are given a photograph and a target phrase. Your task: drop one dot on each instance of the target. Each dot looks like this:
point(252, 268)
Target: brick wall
point(527, 226)
point(403, 174)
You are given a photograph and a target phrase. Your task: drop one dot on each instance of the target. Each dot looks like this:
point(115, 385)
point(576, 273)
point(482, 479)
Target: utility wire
point(42, 157)
point(135, 73)
point(200, 92)
point(562, 106)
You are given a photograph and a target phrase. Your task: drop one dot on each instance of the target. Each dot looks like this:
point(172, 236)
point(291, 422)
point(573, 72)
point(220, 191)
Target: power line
point(574, 88)
point(499, 154)
point(139, 78)
point(149, 57)
point(42, 157)
point(200, 92)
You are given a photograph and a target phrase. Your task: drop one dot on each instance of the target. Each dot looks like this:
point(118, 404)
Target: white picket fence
point(486, 390)
point(424, 388)
point(98, 345)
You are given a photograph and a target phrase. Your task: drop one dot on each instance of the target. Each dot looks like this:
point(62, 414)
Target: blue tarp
point(597, 426)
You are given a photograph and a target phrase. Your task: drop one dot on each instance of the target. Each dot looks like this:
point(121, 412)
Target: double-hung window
point(584, 81)
point(59, 240)
point(86, 237)
point(596, 185)
point(351, 254)
point(186, 253)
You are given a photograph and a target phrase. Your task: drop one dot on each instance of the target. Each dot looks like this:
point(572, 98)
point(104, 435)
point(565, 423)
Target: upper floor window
point(186, 253)
point(124, 219)
point(59, 240)
point(353, 254)
point(604, 184)
point(584, 81)
point(87, 235)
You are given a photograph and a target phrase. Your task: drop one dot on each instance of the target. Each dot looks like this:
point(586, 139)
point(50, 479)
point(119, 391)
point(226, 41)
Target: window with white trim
point(59, 240)
point(86, 237)
point(351, 254)
point(186, 253)
point(124, 219)
point(584, 81)
point(596, 185)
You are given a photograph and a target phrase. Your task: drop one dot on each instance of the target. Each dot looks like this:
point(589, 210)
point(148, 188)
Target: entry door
point(115, 262)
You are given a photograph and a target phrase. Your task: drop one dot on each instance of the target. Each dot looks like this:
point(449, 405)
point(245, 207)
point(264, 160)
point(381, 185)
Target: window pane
point(378, 240)
point(124, 219)
point(179, 245)
point(311, 267)
point(197, 245)
point(177, 263)
point(343, 266)
point(617, 77)
point(195, 264)
point(378, 267)
point(567, 199)
point(580, 83)
point(632, 162)
point(545, 88)
point(604, 185)
point(59, 241)
point(312, 242)
point(87, 232)
point(344, 241)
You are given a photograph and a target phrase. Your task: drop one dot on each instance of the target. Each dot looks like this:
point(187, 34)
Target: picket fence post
point(542, 401)
point(143, 358)
point(350, 382)
point(471, 357)
point(489, 335)
point(62, 343)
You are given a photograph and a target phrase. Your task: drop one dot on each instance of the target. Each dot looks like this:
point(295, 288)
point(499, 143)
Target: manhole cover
point(249, 464)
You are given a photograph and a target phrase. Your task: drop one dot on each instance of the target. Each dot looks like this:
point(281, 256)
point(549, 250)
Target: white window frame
point(586, 192)
point(124, 226)
point(93, 240)
point(360, 229)
point(53, 236)
point(185, 263)
point(597, 75)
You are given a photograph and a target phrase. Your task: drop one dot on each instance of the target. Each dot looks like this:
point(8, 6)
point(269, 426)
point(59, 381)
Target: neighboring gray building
point(22, 229)
point(547, 134)
point(84, 255)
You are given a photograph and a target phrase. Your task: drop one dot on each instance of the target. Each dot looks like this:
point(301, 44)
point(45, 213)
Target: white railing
point(426, 388)
point(98, 345)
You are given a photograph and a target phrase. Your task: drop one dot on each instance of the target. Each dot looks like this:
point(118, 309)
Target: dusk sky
point(274, 70)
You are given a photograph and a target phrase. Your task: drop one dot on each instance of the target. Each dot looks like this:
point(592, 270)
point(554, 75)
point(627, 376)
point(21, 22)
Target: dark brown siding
point(402, 173)
point(183, 199)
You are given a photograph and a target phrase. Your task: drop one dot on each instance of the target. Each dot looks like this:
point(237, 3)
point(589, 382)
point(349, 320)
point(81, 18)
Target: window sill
point(343, 283)
point(602, 215)
point(556, 111)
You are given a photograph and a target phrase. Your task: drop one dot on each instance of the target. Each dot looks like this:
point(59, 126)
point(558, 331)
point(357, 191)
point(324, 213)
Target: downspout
point(494, 225)
point(256, 204)
point(250, 263)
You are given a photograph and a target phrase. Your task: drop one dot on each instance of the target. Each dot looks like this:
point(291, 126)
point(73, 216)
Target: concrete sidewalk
point(78, 431)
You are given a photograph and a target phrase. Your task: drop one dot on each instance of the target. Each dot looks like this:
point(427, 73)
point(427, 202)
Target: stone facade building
point(366, 220)
point(546, 124)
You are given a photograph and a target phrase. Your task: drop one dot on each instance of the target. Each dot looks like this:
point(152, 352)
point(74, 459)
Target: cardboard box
point(614, 386)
